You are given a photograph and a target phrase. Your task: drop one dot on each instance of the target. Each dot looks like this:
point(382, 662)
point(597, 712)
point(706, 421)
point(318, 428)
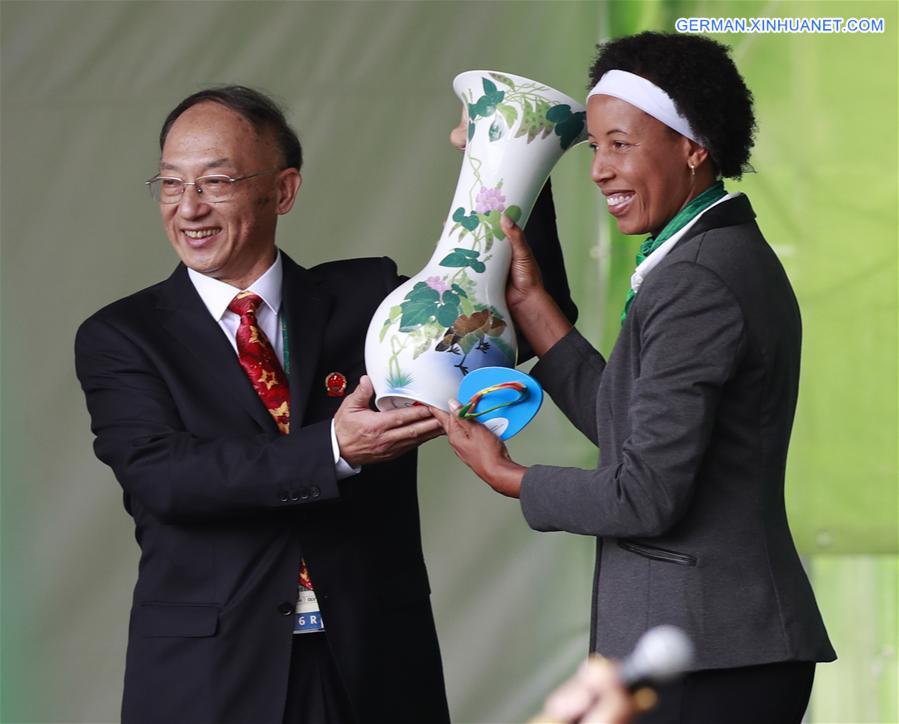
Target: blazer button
point(283, 497)
point(315, 491)
point(304, 493)
point(294, 497)
point(285, 608)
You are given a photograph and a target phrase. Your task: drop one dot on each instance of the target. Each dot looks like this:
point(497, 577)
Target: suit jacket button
point(285, 608)
point(315, 491)
point(294, 497)
point(304, 493)
point(283, 497)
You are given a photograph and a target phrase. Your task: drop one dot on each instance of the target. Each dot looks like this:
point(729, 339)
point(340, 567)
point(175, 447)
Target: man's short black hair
point(261, 111)
point(703, 81)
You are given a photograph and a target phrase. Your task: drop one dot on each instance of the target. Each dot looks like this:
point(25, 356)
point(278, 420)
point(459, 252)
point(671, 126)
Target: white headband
point(646, 96)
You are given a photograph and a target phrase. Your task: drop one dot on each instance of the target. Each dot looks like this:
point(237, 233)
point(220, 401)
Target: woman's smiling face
point(640, 165)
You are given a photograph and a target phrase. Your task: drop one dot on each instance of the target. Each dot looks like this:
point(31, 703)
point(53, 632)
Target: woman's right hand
point(481, 450)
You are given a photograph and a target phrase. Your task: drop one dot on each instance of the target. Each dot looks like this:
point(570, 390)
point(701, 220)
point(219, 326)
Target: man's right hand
point(365, 436)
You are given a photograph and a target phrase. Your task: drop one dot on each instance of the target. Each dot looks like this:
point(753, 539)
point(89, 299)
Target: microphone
point(662, 654)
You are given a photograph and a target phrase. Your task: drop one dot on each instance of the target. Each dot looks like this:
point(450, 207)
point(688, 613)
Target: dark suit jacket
point(224, 506)
point(692, 414)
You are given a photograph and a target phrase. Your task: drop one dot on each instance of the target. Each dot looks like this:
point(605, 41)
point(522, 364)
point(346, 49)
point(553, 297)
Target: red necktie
point(259, 362)
point(258, 359)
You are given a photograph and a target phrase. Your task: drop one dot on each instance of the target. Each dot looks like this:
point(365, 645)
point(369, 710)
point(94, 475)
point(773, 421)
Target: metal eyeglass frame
point(197, 183)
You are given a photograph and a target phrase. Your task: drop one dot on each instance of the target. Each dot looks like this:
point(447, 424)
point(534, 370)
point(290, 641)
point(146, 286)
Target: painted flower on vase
point(489, 199)
point(437, 284)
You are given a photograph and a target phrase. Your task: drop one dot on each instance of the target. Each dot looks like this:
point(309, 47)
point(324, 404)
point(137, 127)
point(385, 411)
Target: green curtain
point(825, 192)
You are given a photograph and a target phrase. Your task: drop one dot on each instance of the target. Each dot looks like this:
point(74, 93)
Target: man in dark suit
point(219, 399)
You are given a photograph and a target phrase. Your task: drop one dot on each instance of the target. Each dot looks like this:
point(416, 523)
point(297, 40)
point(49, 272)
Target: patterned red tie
point(260, 363)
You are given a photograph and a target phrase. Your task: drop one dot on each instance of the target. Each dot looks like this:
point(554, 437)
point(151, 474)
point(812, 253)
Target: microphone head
point(661, 654)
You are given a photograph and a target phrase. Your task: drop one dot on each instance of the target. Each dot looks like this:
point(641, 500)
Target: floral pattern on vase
point(451, 317)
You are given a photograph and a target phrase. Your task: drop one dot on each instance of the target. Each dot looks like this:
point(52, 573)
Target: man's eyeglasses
point(213, 189)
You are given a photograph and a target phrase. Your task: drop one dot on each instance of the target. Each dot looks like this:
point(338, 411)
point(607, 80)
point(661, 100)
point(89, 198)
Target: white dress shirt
point(217, 295)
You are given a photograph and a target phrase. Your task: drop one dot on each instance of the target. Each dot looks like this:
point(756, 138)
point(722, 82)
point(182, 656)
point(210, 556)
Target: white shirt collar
point(217, 295)
point(652, 261)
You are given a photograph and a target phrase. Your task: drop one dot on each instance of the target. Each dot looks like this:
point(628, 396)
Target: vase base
point(398, 400)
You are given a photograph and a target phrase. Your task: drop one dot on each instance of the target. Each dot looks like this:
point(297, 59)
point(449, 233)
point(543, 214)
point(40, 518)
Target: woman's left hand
point(482, 451)
point(525, 281)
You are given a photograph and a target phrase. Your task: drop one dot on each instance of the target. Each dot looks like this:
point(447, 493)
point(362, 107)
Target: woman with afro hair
point(692, 411)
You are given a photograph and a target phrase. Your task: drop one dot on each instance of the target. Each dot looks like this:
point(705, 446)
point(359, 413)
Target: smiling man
point(243, 473)
point(281, 575)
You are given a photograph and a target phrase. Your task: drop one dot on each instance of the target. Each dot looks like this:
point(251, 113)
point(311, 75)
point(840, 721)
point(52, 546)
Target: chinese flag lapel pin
point(335, 384)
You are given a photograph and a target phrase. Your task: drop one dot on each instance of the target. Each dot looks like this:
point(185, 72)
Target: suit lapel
point(188, 321)
point(305, 307)
point(734, 211)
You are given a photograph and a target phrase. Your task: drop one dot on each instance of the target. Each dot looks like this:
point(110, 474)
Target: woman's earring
point(692, 169)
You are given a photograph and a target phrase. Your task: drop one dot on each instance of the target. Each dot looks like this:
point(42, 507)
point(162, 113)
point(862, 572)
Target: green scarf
point(681, 219)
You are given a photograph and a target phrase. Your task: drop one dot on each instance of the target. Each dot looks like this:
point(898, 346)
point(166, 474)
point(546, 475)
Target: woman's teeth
point(618, 199)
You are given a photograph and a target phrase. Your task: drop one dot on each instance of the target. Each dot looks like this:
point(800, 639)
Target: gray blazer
point(692, 415)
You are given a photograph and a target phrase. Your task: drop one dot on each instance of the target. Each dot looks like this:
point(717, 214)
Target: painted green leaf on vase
point(447, 314)
point(509, 113)
point(493, 221)
point(416, 314)
point(513, 212)
point(462, 258)
point(546, 126)
point(458, 258)
point(394, 314)
point(384, 328)
point(469, 222)
point(422, 291)
point(485, 106)
point(571, 128)
point(504, 79)
point(419, 305)
point(558, 113)
point(532, 120)
point(497, 130)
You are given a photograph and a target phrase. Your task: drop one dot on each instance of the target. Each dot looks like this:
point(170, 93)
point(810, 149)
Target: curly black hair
point(703, 81)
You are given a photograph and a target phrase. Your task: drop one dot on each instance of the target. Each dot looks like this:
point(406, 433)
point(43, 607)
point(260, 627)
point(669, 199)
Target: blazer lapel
point(728, 213)
point(305, 307)
point(187, 320)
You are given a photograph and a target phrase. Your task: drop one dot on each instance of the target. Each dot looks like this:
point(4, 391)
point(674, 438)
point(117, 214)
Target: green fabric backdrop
point(825, 193)
point(84, 88)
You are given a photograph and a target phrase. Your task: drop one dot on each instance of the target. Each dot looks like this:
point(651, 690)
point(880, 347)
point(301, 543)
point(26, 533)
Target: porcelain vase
point(451, 317)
